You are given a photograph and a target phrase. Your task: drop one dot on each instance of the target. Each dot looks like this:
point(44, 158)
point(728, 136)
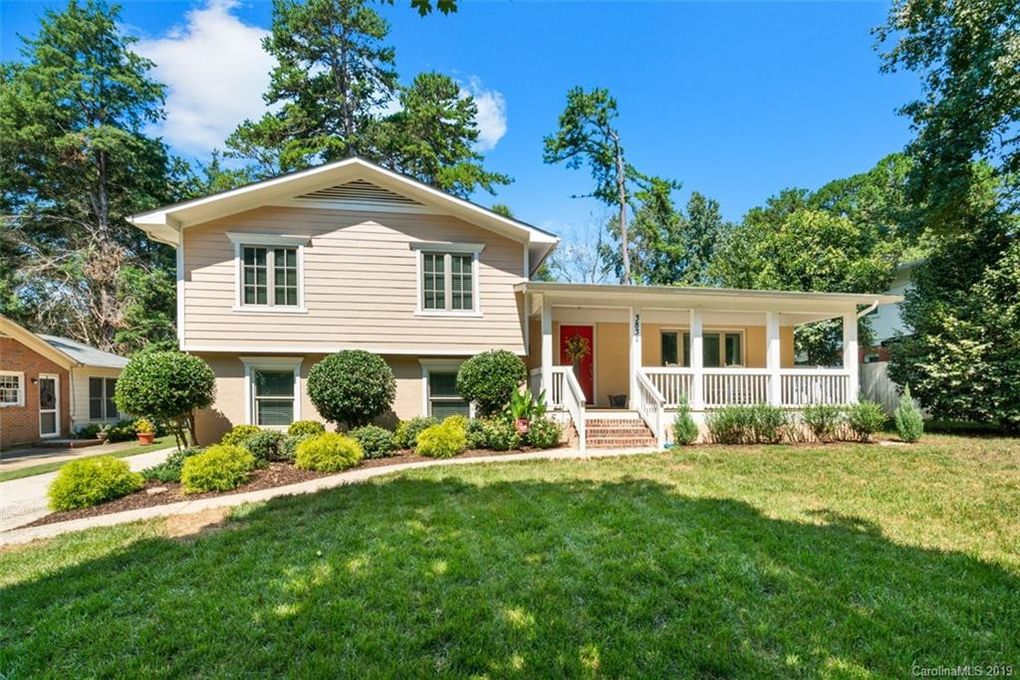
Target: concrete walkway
point(350, 477)
point(22, 458)
point(24, 500)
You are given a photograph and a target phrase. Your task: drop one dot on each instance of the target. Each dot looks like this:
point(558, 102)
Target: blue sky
point(736, 100)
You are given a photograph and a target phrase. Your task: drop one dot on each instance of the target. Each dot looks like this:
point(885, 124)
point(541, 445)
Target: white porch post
point(635, 353)
point(697, 362)
point(773, 357)
point(850, 356)
point(547, 350)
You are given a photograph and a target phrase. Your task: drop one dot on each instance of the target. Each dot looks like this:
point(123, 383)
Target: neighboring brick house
point(50, 386)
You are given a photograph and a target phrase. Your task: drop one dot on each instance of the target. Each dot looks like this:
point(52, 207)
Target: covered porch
point(648, 349)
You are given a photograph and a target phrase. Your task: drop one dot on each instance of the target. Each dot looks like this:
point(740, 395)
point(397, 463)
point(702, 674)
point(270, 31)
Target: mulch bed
point(277, 474)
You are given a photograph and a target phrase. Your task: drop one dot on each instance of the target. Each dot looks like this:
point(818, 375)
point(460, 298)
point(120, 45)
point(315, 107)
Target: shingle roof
point(90, 356)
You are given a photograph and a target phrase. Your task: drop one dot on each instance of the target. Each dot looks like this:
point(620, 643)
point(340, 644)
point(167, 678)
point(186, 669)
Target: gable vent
point(362, 193)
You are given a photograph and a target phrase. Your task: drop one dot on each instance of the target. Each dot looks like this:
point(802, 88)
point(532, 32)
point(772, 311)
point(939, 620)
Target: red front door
point(577, 349)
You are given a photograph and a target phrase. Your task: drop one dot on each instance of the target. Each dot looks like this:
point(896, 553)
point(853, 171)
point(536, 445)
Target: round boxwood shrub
point(488, 379)
point(442, 441)
point(352, 387)
point(90, 481)
point(239, 434)
point(328, 452)
point(406, 435)
point(288, 447)
point(299, 427)
point(376, 442)
point(264, 445)
point(219, 468)
point(170, 469)
point(544, 433)
point(166, 387)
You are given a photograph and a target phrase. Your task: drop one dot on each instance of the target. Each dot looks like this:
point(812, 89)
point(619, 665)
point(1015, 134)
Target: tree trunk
point(621, 187)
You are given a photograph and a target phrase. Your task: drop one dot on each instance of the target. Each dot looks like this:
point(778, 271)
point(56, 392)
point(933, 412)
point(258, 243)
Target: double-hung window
point(719, 348)
point(448, 281)
point(269, 271)
point(441, 396)
point(101, 404)
point(12, 388)
point(273, 391)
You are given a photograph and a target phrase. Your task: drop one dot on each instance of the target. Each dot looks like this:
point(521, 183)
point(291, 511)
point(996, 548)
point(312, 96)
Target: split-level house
point(273, 276)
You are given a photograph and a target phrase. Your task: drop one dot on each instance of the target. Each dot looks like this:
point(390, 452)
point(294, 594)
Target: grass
point(837, 561)
point(42, 468)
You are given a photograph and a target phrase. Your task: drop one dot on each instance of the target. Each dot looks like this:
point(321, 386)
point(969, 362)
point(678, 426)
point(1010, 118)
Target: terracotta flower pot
point(146, 438)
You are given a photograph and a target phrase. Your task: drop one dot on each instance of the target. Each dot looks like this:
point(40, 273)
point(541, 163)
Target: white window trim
point(56, 405)
point(475, 249)
point(721, 330)
point(252, 364)
point(106, 416)
point(20, 403)
point(240, 240)
point(443, 366)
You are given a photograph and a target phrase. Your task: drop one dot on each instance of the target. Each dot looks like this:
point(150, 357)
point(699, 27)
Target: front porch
point(649, 349)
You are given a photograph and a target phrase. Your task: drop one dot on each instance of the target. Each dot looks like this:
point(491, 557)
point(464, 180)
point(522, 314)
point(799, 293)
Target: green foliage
point(497, 434)
point(121, 431)
point(823, 420)
point(376, 442)
point(220, 467)
point(288, 447)
point(406, 434)
point(91, 481)
point(239, 434)
point(909, 422)
point(685, 430)
point(167, 386)
point(264, 445)
point(144, 426)
point(170, 469)
point(445, 440)
point(524, 406)
point(757, 424)
point(328, 452)
point(300, 427)
point(544, 433)
point(489, 379)
point(352, 387)
point(864, 419)
point(149, 300)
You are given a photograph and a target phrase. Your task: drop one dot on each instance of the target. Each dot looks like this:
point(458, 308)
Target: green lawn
point(157, 443)
point(839, 561)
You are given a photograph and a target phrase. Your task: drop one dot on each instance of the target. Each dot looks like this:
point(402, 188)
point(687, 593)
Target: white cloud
point(215, 71)
point(491, 117)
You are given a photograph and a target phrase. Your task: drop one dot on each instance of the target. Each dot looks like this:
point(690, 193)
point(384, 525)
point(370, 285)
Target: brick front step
point(620, 443)
point(617, 432)
point(615, 422)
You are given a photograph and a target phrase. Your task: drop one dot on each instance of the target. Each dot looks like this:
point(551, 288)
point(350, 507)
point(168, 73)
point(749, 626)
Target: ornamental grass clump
point(221, 467)
point(91, 481)
point(909, 421)
point(328, 452)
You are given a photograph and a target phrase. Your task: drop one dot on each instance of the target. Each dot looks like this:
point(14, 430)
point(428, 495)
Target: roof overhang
point(36, 344)
point(797, 307)
point(165, 224)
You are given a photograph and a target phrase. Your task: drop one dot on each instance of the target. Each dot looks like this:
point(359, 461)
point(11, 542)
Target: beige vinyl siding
point(360, 286)
point(80, 394)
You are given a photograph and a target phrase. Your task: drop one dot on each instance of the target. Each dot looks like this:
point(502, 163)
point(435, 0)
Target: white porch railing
point(742, 386)
point(674, 384)
point(572, 398)
point(801, 387)
point(649, 405)
point(735, 386)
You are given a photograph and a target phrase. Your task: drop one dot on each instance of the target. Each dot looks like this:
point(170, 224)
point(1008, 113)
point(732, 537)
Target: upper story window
point(12, 388)
point(448, 278)
point(269, 272)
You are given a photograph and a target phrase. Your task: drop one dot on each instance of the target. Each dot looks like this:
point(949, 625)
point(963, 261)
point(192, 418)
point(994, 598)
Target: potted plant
point(524, 408)
point(145, 430)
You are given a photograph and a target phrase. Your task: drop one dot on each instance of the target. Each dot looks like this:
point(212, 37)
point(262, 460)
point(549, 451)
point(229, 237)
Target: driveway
point(24, 500)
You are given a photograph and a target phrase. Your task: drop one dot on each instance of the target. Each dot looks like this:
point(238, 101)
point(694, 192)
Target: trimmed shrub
point(170, 469)
point(122, 431)
point(685, 430)
point(489, 379)
point(442, 441)
point(221, 467)
point(458, 420)
point(406, 435)
point(352, 387)
point(769, 424)
point(865, 418)
point(497, 434)
point(239, 434)
point(758, 424)
point(823, 420)
point(475, 434)
point(166, 386)
point(544, 433)
point(376, 442)
point(328, 452)
point(288, 447)
point(299, 427)
point(264, 445)
point(91, 481)
point(909, 422)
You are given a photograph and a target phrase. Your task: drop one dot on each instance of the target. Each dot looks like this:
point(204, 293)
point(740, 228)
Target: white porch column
point(635, 353)
point(547, 350)
point(850, 356)
point(697, 362)
point(773, 357)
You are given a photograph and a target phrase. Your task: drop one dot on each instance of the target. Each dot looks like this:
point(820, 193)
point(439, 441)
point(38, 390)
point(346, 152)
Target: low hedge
point(91, 481)
point(219, 468)
point(328, 452)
